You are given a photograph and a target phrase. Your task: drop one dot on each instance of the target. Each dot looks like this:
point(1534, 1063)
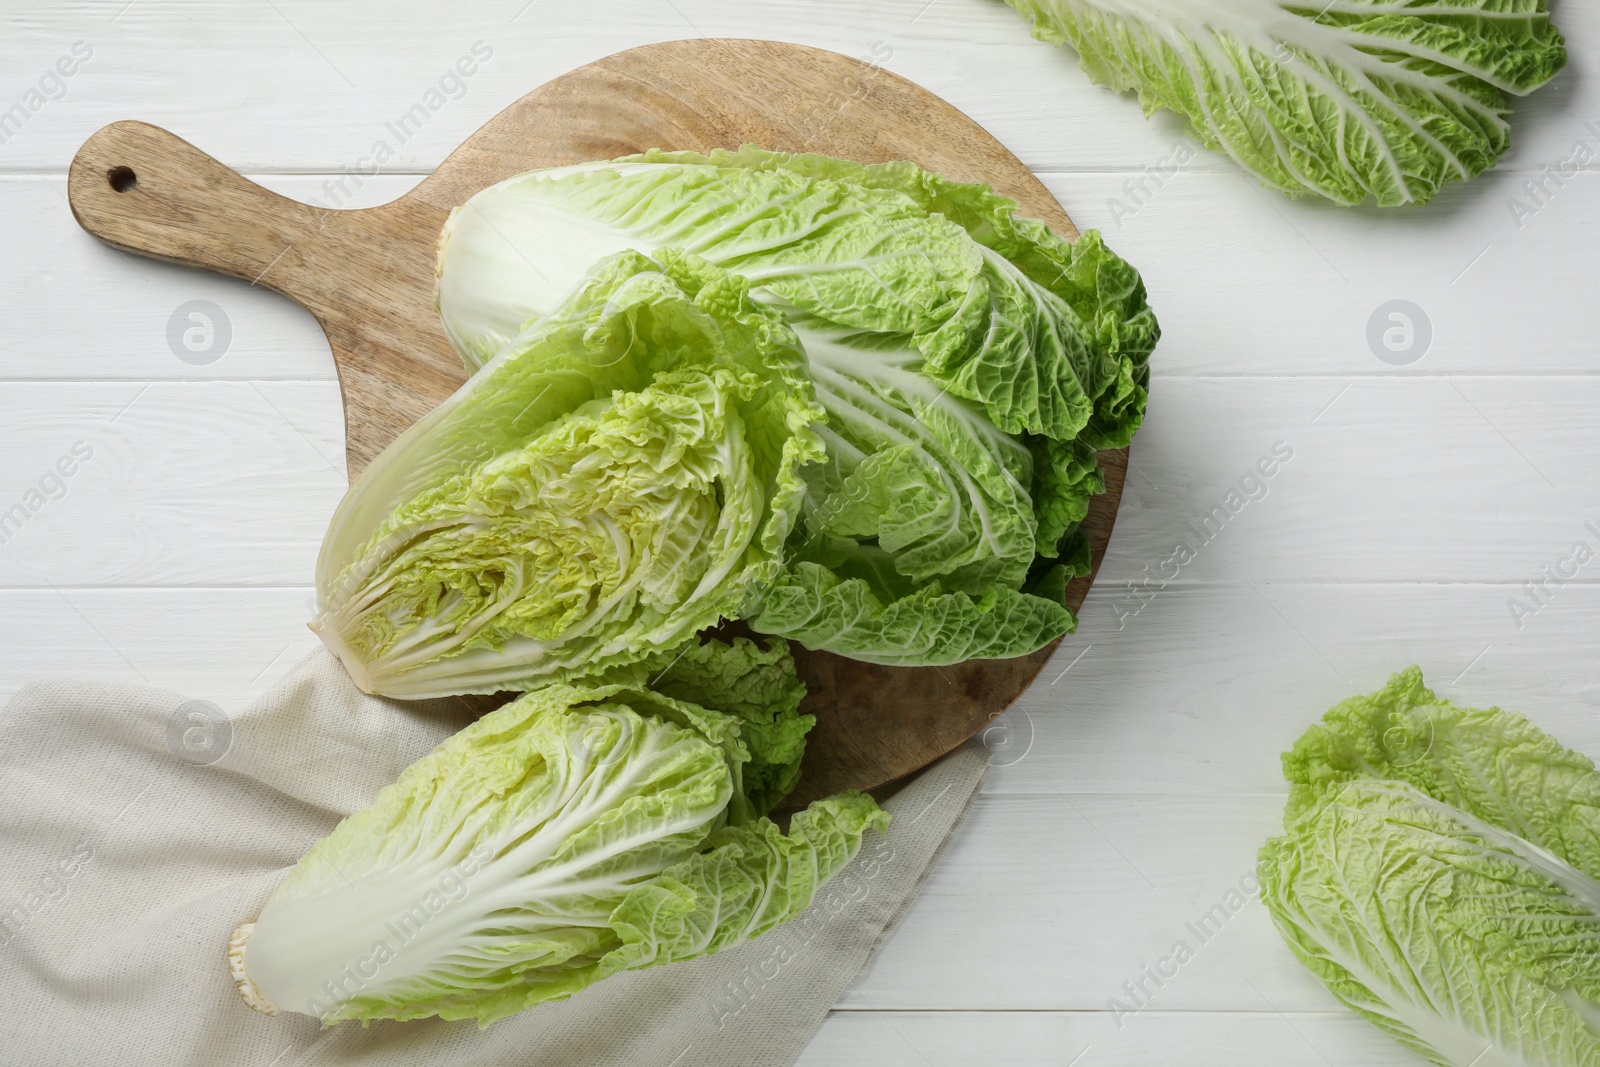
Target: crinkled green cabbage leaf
point(1048, 336)
point(577, 832)
point(1353, 99)
point(620, 477)
point(1495, 765)
point(970, 363)
point(1438, 873)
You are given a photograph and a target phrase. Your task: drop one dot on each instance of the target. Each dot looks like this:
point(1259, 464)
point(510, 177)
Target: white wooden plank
point(1407, 479)
point(83, 310)
point(170, 483)
point(1203, 685)
point(223, 645)
point(303, 86)
point(1058, 903)
point(1250, 283)
point(77, 308)
point(1416, 479)
point(1086, 1039)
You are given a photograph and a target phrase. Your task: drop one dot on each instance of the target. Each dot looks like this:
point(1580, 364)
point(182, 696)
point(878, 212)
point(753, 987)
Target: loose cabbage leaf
point(622, 476)
point(1493, 764)
point(577, 832)
point(1466, 943)
point(1353, 99)
point(1438, 873)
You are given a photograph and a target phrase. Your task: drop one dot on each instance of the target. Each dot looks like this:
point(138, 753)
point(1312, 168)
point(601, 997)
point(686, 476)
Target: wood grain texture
point(367, 276)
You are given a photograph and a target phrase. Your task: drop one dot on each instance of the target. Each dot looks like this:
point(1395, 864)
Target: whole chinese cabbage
point(580, 831)
point(1438, 873)
point(970, 364)
point(1350, 99)
point(620, 477)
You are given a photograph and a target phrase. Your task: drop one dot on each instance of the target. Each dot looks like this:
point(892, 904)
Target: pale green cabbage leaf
point(1048, 336)
point(1350, 99)
point(1495, 765)
point(1438, 873)
point(623, 475)
point(578, 832)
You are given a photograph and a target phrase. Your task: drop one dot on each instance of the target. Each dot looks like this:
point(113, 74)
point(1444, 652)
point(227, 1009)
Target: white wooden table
point(1133, 790)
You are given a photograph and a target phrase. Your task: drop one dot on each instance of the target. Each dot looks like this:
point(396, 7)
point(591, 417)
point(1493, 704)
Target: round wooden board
point(368, 275)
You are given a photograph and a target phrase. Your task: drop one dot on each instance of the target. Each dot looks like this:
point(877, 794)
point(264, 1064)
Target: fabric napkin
point(138, 828)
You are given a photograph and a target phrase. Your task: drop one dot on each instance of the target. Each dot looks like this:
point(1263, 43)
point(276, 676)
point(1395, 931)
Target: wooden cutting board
point(367, 276)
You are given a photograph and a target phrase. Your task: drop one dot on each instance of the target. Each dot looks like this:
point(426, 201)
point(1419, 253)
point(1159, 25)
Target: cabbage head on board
point(970, 364)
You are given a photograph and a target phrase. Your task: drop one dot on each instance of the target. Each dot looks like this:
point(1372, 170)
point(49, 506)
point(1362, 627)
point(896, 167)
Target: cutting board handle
point(144, 190)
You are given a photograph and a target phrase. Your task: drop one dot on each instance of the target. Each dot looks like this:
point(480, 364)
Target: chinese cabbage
point(623, 475)
point(1351, 100)
point(1437, 872)
point(578, 832)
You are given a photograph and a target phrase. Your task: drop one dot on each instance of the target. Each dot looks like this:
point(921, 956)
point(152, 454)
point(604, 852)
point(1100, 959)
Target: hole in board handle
point(122, 178)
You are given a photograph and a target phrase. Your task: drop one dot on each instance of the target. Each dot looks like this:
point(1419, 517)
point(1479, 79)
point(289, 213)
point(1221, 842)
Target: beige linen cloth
point(138, 828)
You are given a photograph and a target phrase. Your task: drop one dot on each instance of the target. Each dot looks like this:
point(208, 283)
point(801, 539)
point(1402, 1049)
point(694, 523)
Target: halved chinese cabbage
point(577, 832)
point(624, 474)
